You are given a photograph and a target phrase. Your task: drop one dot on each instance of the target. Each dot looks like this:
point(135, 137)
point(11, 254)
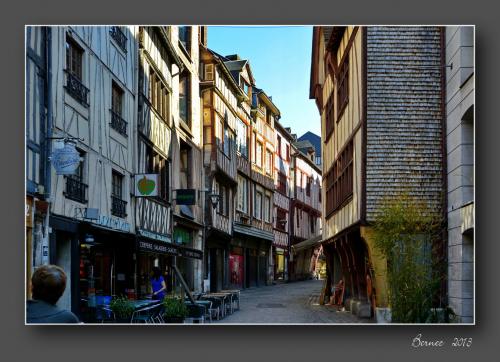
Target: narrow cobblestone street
point(295, 302)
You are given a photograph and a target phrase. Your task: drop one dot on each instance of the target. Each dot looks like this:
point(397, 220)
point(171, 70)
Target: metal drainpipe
point(48, 136)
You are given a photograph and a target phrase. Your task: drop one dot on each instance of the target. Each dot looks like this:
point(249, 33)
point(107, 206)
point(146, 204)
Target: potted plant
point(122, 309)
point(175, 310)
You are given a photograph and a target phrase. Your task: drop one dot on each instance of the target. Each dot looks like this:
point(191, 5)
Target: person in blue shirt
point(158, 285)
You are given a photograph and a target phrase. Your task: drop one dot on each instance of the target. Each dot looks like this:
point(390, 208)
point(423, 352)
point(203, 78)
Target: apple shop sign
point(146, 185)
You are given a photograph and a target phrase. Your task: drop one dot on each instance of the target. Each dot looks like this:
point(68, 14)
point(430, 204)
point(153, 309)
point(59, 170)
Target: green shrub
point(174, 308)
point(406, 232)
point(122, 307)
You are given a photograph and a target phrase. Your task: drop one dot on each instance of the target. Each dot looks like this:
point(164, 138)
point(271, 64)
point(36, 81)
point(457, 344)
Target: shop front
point(106, 267)
point(279, 263)
point(236, 268)
point(251, 256)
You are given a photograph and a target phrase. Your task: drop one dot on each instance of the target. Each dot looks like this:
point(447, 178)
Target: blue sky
point(280, 58)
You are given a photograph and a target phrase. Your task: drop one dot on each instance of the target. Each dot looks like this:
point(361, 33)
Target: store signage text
point(159, 248)
point(154, 236)
point(112, 223)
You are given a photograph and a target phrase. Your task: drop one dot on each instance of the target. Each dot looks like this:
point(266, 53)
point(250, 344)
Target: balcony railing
point(263, 225)
point(243, 165)
point(118, 123)
point(225, 163)
point(264, 180)
point(120, 38)
point(76, 89)
point(221, 222)
point(118, 207)
point(75, 189)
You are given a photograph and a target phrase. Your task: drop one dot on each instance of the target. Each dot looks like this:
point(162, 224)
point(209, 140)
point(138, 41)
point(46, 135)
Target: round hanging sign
point(65, 160)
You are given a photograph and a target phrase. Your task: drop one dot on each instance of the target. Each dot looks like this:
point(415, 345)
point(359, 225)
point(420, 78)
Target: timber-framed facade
point(378, 90)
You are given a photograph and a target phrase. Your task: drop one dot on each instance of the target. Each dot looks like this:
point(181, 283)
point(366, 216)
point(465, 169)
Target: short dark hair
point(48, 283)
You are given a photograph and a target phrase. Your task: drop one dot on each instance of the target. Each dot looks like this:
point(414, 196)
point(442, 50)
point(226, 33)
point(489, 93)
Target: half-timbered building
point(281, 208)
point(379, 92)
point(221, 96)
point(92, 91)
point(305, 214)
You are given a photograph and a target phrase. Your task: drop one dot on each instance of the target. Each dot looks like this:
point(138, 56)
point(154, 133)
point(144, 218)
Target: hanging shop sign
point(185, 196)
point(191, 253)
point(65, 159)
point(146, 185)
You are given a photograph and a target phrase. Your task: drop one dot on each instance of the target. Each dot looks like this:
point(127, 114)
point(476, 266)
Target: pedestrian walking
point(158, 285)
point(47, 286)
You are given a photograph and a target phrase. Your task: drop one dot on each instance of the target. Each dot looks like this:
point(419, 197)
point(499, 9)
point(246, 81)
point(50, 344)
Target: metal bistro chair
point(147, 315)
point(104, 314)
point(216, 306)
point(207, 304)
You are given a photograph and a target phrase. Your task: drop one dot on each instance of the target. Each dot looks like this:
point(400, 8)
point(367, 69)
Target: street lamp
point(214, 199)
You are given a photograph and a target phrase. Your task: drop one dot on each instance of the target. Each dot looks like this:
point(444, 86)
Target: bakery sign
point(146, 185)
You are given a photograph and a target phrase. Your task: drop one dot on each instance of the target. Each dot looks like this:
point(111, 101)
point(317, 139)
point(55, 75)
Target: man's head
point(48, 283)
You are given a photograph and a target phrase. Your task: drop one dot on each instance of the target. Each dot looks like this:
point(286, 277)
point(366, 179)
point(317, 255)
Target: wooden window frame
point(74, 57)
point(187, 95)
point(343, 87)
point(340, 180)
point(282, 183)
point(330, 117)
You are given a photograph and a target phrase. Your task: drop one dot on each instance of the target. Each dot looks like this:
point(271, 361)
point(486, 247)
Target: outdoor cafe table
point(235, 293)
point(222, 297)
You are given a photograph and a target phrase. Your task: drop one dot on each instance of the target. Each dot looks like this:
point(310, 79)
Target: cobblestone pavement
point(296, 302)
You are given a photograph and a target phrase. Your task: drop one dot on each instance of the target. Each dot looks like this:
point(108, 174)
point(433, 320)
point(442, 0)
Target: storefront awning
point(253, 231)
point(306, 244)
